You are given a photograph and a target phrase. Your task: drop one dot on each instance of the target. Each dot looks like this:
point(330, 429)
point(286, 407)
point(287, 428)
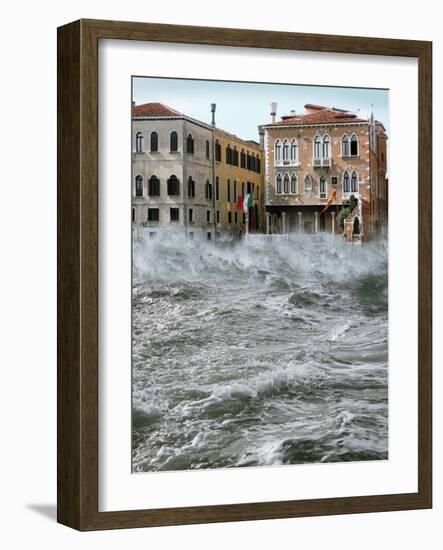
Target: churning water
point(258, 352)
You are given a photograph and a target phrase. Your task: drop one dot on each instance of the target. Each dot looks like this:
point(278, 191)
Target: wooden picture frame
point(77, 480)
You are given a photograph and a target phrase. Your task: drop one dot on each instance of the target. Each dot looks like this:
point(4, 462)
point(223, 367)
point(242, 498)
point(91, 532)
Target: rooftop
point(318, 114)
point(161, 110)
point(154, 110)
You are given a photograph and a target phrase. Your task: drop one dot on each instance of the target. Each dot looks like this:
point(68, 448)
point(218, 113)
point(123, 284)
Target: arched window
point(228, 154)
point(235, 156)
point(293, 184)
point(139, 186)
point(191, 187)
point(217, 188)
point(173, 142)
point(308, 183)
point(277, 152)
point(346, 182)
point(294, 151)
point(217, 151)
point(208, 155)
point(139, 143)
point(279, 183)
point(326, 147)
point(354, 182)
point(154, 186)
point(356, 226)
point(317, 147)
point(242, 159)
point(173, 186)
point(345, 146)
point(354, 145)
point(154, 142)
point(286, 184)
point(285, 151)
point(208, 190)
point(228, 190)
point(190, 144)
point(322, 187)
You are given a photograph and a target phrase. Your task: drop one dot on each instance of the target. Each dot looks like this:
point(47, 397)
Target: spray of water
point(258, 352)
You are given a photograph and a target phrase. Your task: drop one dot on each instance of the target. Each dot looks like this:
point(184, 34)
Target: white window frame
point(346, 193)
point(348, 141)
point(293, 148)
point(350, 183)
point(293, 177)
point(329, 142)
point(289, 184)
point(320, 147)
point(278, 153)
point(142, 149)
point(276, 184)
point(324, 178)
point(358, 145)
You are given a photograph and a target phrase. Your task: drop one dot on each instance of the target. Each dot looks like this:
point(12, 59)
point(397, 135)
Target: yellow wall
point(225, 172)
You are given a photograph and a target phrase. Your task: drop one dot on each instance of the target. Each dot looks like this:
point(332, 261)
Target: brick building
point(316, 164)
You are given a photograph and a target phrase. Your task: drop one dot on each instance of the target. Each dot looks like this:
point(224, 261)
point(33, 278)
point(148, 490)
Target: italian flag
point(248, 201)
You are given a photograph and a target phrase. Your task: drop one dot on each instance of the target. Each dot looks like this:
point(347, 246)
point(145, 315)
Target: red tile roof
point(317, 114)
point(154, 110)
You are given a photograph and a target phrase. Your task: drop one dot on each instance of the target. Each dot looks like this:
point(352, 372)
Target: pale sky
point(242, 106)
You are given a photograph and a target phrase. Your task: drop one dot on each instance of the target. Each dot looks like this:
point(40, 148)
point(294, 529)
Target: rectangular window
point(334, 180)
point(209, 235)
point(229, 190)
point(191, 215)
point(244, 217)
point(218, 216)
point(133, 214)
point(153, 215)
point(217, 188)
point(174, 214)
point(208, 216)
point(229, 217)
point(152, 234)
point(235, 217)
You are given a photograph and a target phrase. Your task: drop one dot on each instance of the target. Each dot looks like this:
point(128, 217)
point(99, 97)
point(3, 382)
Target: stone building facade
point(315, 162)
point(172, 171)
point(190, 174)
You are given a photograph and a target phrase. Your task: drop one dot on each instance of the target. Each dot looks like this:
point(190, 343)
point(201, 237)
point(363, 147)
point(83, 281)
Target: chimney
point(213, 106)
point(273, 111)
point(292, 112)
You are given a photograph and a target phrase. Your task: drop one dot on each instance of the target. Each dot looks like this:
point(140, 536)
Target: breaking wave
point(258, 352)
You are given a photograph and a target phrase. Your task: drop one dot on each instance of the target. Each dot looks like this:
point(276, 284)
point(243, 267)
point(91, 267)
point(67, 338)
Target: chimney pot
point(273, 111)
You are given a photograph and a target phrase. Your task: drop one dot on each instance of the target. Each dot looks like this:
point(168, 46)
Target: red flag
point(240, 203)
point(331, 198)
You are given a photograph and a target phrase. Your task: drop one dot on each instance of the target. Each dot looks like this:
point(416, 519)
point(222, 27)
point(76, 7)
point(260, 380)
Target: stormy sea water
point(258, 352)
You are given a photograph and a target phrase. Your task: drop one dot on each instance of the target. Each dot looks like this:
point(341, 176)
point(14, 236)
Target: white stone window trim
point(320, 195)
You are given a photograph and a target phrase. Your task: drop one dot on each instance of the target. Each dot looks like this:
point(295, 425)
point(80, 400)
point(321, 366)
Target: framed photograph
point(244, 275)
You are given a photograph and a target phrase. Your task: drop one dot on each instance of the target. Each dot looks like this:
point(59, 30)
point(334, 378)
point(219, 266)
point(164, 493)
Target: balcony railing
point(326, 163)
point(322, 162)
point(286, 162)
